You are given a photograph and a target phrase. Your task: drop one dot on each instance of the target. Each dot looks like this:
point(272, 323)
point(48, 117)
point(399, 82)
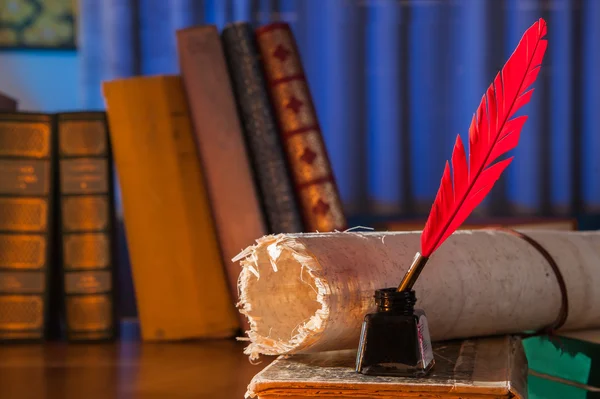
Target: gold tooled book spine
point(87, 218)
point(26, 203)
point(303, 143)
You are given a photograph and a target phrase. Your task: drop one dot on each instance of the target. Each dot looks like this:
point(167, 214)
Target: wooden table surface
point(210, 369)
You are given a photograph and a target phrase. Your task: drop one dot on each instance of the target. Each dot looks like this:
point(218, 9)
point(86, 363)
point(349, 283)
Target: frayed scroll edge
point(275, 245)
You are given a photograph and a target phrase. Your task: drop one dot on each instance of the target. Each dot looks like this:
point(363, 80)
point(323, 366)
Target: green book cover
point(562, 368)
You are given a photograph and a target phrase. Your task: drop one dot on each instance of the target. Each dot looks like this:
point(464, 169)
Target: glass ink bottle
point(395, 340)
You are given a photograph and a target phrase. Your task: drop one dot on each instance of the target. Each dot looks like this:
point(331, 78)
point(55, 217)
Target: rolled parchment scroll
point(309, 292)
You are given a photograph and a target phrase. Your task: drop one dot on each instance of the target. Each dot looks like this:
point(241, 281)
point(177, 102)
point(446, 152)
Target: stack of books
point(207, 161)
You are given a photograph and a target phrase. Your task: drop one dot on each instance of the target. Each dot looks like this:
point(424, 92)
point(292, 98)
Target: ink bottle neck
point(388, 300)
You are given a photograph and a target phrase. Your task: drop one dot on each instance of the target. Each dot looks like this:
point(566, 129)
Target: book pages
point(475, 368)
point(309, 292)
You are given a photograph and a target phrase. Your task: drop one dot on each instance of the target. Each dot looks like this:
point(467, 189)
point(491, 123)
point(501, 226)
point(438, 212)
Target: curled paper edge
point(309, 273)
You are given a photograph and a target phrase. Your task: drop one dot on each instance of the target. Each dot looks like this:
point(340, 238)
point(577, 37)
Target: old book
point(220, 141)
point(300, 131)
point(87, 226)
point(7, 103)
point(310, 292)
point(27, 166)
point(475, 368)
point(177, 270)
point(260, 127)
point(566, 224)
point(563, 367)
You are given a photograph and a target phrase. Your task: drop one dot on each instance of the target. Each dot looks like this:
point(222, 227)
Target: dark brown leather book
point(27, 164)
point(87, 226)
point(260, 127)
point(300, 130)
point(7, 103)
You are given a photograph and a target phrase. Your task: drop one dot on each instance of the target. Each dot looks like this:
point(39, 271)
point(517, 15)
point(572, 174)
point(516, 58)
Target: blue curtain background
point(394, 82)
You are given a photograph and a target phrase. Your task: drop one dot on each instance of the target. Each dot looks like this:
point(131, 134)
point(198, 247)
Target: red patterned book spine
point(303, 143)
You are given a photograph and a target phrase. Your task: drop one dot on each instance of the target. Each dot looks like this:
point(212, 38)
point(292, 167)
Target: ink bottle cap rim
point(389, 300)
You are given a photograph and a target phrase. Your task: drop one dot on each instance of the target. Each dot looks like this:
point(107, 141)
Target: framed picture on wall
point(38, 24)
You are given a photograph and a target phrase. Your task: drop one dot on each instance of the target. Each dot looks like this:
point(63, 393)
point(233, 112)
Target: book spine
point(470, 77)
point(261, 131)
point(7, 103)
point(233, 195)
point(525, 176)
point(26, 203)
point(155, 40)
point(176, 265)
point(589, 142)
point(90, 52)
point(87, 217)
point(429, 137)
point(386, 110)
point(300, 131)
point(560, 120)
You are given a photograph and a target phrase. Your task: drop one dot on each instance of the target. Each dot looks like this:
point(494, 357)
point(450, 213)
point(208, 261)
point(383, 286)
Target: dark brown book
point(87, 226)
point(7, 103)
point(27, 164)
point(300, 131)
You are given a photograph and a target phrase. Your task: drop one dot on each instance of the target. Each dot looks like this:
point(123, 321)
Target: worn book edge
point(484, 368)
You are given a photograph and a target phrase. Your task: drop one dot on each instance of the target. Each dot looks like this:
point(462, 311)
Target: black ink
point(395, 340)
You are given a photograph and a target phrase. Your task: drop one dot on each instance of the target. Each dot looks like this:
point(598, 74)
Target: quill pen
point(492, 133)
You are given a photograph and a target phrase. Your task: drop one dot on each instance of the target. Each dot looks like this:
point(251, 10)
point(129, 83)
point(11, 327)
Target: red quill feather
point(493, 132)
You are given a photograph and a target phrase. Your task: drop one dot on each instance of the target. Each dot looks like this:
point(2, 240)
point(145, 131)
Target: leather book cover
point(494, 368)
point(178, 275)
point(300, 131)
point(86, 226)
point(233, 195)
point(27, 164)
point(7, 103)
point(260, 127)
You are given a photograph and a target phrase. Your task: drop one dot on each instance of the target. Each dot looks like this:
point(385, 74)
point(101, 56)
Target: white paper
point(310, 292)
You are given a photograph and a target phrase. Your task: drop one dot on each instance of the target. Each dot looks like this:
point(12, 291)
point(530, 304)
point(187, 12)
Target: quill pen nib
point(413, 272)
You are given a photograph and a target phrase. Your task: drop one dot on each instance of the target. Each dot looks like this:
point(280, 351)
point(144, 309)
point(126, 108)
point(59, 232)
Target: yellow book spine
point(179, 279)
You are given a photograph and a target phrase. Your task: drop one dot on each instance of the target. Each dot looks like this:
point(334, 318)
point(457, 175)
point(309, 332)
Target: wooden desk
point(210, 369)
